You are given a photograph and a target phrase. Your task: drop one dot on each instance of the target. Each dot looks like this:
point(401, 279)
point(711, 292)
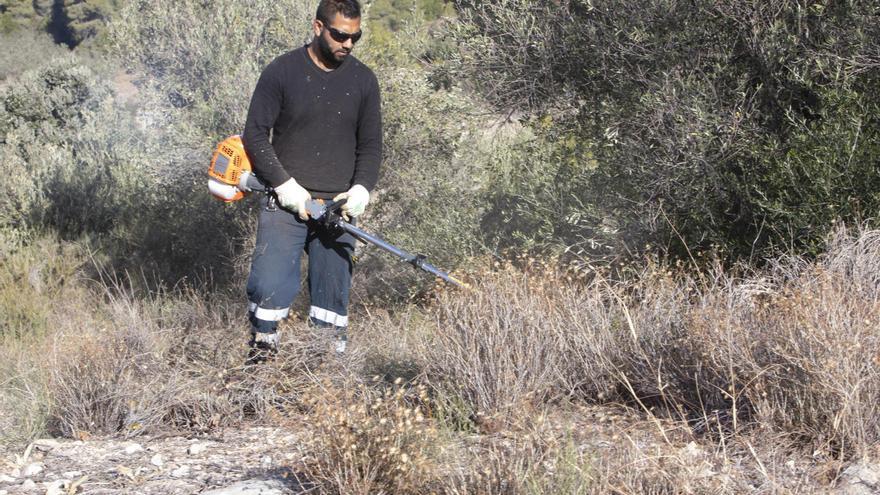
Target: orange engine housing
point(228, 164)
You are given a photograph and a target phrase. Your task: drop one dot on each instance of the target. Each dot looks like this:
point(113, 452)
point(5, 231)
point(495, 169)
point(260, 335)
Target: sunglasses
point(341, 37)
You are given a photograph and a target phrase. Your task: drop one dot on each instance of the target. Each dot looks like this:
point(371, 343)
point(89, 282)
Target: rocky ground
point(256, 461)
point(232, 461)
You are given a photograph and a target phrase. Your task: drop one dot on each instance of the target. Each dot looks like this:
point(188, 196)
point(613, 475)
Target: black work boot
point(263, 347)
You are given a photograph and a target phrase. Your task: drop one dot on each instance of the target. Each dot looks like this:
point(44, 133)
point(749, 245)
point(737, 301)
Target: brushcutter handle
point(335, 205)
point(326, 213)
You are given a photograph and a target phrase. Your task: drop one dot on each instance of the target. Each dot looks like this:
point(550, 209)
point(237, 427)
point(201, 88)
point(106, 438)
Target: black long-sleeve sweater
point(326, 126)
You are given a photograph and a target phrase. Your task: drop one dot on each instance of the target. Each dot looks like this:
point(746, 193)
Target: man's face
point(329, 36)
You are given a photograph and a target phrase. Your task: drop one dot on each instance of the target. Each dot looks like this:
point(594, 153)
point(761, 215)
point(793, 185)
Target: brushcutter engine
point(230, 175)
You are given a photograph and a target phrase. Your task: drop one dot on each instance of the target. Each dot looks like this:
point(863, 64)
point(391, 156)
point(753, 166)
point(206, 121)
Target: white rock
point(197, 448)
point(853, 489)
point(15, 473)
point(157, 460)
point(71, 474)
point(4, 492)
point(133, 448)
point(6, 479)
point(859, 479)
point(250, 487)
point(266, 460)
point(46, 444)
point(28, 485)
point(180, 472)
point(56, 487)
point(31, 469)
point(867, 474)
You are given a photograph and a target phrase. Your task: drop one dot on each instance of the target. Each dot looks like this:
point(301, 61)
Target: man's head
point(337, 28)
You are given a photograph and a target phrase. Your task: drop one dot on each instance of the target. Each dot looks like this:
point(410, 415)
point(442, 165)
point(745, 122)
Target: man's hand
point(293, 197)
point(356, 200)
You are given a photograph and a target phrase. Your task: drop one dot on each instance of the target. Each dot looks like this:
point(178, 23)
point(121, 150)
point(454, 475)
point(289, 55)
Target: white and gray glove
point(243, 181)
point(356, 200)
point(293, 197)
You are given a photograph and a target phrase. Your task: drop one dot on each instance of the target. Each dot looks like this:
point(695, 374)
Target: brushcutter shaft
point(415, 260)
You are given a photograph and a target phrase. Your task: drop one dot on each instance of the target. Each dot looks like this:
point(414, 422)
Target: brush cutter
point(230, 179)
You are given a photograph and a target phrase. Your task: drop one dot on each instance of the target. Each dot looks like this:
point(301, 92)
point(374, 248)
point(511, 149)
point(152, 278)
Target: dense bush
point(686, 125)
point(25, 50)
point(17, 14)
point(85, 165)
point(46, 116)
point(83, 20)
point(432, 174)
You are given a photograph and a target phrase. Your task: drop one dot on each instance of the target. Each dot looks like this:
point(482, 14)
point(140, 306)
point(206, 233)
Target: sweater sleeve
point(369, 138)
point(264, 110)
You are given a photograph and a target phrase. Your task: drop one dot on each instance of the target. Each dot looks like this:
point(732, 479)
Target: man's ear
point(317, 26)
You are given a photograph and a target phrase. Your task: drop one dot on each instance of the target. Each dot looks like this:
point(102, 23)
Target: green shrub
point(24, 14)
point(87, 19)
point(85, 165)
point(40, 115)
point(735, 126)
point(431, 178)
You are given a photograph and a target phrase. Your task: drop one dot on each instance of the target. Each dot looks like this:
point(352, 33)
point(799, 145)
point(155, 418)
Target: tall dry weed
point(369, 440)
point(799, 346)
point(497, 345)
point(793, 348)
point(102, 357)
point(174, 362)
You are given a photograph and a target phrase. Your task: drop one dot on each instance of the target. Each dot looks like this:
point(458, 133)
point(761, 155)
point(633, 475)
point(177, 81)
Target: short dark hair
point(327, 10)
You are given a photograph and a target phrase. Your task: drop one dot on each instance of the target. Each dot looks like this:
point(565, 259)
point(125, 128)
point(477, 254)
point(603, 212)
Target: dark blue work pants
point(274, 280)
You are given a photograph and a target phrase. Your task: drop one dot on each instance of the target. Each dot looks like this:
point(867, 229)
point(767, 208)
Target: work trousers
point(274, 279)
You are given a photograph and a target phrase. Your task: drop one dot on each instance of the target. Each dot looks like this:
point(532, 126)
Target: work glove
point(356, 200)
point(243, 181)
point(293, 197)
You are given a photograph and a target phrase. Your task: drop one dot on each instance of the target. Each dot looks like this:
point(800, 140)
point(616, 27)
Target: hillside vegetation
point(741, 127)
point(69, 22)
point(665, 209)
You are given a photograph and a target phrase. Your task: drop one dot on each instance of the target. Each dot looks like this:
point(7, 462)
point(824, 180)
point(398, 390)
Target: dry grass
point(794, 349)
point(104, 358)
point(369, 440)
point(535, 382)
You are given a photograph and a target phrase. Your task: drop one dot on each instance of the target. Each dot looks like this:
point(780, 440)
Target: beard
point(327, 52)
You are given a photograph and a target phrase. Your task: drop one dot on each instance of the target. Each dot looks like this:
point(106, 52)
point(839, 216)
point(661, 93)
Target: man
point(322, 107)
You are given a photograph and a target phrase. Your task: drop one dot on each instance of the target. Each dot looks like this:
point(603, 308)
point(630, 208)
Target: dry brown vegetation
point(536, 381)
